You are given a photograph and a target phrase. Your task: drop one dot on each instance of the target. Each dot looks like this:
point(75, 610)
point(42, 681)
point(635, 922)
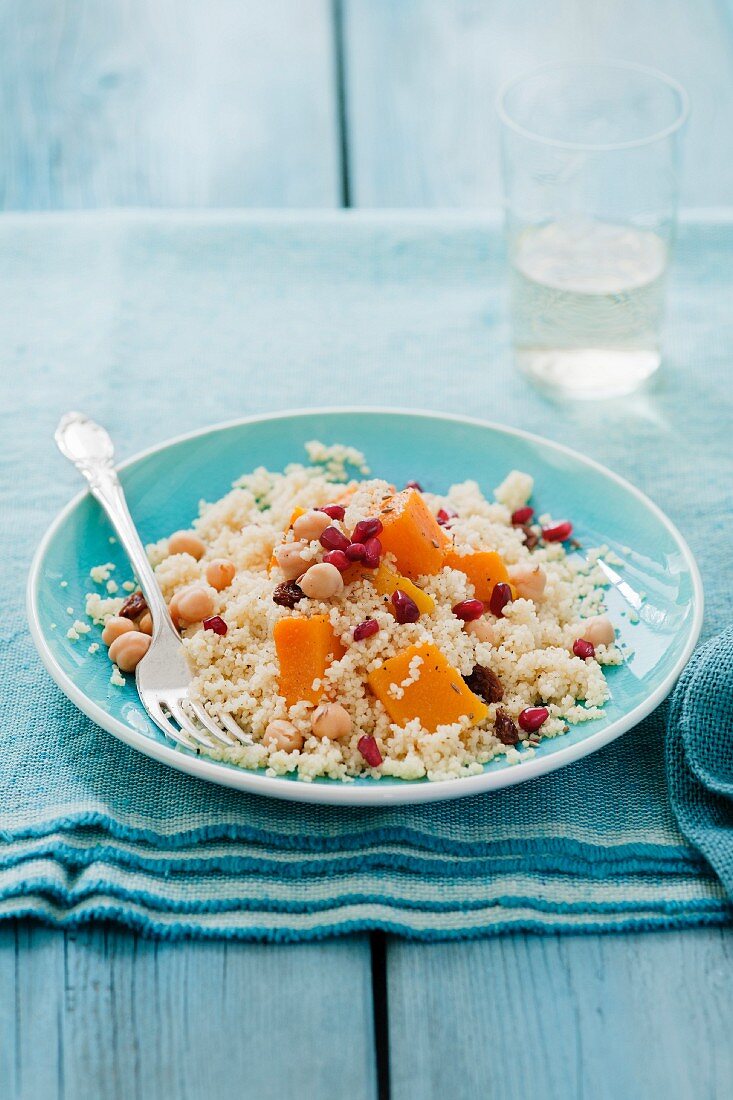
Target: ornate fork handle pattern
point(91, 450)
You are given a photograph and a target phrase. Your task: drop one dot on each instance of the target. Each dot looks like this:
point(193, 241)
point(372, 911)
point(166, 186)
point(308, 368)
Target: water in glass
point(587, 300)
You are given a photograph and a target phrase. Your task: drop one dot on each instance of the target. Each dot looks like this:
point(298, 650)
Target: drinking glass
point(590, 158)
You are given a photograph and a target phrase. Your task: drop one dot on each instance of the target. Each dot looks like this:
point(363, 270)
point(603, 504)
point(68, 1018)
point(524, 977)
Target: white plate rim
point(348, 794)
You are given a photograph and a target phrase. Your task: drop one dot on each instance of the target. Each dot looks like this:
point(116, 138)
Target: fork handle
point(91, 450)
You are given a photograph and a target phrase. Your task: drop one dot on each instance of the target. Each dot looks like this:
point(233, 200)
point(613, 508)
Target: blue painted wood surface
point(170, 103)
point(423, 77)
point(634, 1017)
point(104, 1015)
point(121, 102)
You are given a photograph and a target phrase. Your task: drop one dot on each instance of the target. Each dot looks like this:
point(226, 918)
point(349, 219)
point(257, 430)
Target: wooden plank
point(422, 77)
point(172, 103)
point(563, 1017)
point(101, 1013)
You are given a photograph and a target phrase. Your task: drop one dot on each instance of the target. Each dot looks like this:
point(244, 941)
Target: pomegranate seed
point(356, 551)
point(366, 529)
point(369, 749)
point(333, 539)
point(532, 718)
point(522, 516)
point(366, 630)
point(333, 511)
point(337, 558)
point(557, 532)
point(414, 485)
point(372, 553)
point(468, 610)
point(501, 595)
point(444, 516)
point(217, 624)
point(406, 610)
point(583, 648)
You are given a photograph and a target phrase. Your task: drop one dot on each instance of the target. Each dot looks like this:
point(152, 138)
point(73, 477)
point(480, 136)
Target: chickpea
point(481, 629)
point(599, 630)
point(173, 609)
point(282, 735)
point(145, 623)
point(115, 627)
point(331, 720)
point(220, 573)
point(129, 649)
point(288, 557)
point(311, 525)
point(191, 605)
point(186, 542)
point(322, 581)
point(528, 580)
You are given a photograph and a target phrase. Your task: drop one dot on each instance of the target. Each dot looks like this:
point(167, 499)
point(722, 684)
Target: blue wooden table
point(317, 103)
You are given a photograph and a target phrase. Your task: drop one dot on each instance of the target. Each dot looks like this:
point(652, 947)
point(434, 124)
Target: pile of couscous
point(351, 626)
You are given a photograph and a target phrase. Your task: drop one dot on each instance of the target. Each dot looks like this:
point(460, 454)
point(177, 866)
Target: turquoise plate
point(655, 600)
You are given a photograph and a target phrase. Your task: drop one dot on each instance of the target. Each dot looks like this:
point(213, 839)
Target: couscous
point(352, 626)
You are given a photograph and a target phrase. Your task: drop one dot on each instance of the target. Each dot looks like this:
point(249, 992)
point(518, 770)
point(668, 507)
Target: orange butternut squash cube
point(484, 569)
point(386, 581)
point(305, 649)
point(412, 533)
point(438, 697)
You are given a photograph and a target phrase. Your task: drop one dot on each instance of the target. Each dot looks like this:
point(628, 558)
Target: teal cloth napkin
point(158, 323)
point(700, 754)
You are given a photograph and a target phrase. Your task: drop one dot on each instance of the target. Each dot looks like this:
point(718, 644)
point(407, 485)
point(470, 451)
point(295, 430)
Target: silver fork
point(163, 676)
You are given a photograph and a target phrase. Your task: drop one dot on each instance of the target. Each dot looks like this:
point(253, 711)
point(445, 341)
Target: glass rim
point(590, 146)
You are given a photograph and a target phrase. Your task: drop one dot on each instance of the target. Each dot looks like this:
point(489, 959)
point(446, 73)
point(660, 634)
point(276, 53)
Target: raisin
point(288, 594)
point(133, 606)
point(531, 538)
point(486, 684)
point(505, 728)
